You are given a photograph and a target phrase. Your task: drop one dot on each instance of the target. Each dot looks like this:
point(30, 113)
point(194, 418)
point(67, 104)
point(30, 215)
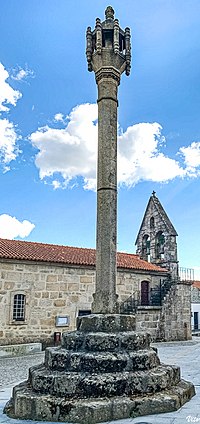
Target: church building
point(44, 287)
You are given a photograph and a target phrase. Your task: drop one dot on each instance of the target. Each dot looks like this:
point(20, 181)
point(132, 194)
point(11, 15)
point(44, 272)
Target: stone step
point(73, 384)
point(26, 404)
point(108, 323)
point(99, 341)
point(97, 362)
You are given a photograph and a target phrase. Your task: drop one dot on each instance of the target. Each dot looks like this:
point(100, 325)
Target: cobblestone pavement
point(184, 354)
point(16, 368)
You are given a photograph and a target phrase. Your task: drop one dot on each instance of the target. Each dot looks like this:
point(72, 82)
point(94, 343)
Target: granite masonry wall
point(195, 295)
point(54, 290)
point(177, 309)
point(172, 321)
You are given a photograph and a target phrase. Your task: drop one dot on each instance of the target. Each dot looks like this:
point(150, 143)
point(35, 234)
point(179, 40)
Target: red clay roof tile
point(196, 284)
point(41, 252)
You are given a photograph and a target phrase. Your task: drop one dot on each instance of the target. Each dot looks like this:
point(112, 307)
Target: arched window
point(152, 223)
point(144, 293)
point(145, 247)
point(159, 244)
point(19, 307)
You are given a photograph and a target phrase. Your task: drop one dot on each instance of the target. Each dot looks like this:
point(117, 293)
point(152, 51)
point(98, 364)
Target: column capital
point(108, 72)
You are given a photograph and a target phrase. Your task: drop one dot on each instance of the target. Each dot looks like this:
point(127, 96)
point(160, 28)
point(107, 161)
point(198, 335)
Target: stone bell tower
point(108, 54)
point(156, 239)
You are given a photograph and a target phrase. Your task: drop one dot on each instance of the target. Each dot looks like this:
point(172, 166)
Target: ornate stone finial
point(89, 48)
point(98, 36)
point(109, 12)
point(128, 50)
point(116, 36)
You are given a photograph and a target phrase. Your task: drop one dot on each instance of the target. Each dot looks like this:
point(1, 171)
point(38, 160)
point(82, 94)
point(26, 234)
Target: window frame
point(19, 307)
point(26, 295)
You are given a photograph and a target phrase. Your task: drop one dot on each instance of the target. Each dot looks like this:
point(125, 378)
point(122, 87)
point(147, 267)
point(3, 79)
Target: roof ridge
point(68, 255)
point(45, 244)
point(38, 243)
point(127, 253)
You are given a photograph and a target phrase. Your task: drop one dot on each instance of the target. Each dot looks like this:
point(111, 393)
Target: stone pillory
point(108, 54)
point(106, 370)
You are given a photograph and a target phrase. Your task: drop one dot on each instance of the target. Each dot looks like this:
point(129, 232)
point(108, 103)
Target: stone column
point(108, 55)
point(105, 299)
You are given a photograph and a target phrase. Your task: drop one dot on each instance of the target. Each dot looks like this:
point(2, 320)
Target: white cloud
point(139, 157)
point(11, 228)
point(70, 152)
point(8, 137)
point(8, 96)
point(191, 154)
point(59, 117)
point(20, 74)
point(56, 184)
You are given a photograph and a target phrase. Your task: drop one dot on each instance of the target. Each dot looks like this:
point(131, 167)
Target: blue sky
point(48, 121)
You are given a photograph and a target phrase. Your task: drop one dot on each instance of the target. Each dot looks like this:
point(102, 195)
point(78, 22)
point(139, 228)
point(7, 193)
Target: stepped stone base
point(104, 371)
point(30, 405)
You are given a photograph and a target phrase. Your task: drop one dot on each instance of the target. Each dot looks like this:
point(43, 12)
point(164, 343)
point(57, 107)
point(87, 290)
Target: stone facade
point(56, 290)
point(156, 240)
point(51, 290)
point(156, 243)
point(196, 294)
point(57, 283)
point(171, 321)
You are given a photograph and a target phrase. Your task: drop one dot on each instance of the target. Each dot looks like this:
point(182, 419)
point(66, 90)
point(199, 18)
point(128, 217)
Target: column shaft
point(105, 298)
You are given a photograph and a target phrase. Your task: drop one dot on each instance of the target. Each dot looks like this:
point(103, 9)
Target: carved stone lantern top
point(108, 40)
